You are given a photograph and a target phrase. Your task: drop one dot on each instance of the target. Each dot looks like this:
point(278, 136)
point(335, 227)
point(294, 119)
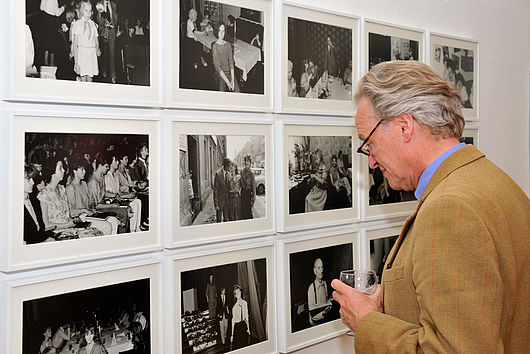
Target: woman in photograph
point(336, 180)
point(240, 321)
point(317, 196)
point(305, 78)
point(234, 199)
point(34, 229)
point(91, 342)
point(223, 62)
point(248, 189)
point(49, 29)
point(85, 44)
point(46, 346)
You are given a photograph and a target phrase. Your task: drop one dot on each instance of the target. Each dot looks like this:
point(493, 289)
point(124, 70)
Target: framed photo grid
point(319, 66)
point(225, 300)
point(456, 60)
point(116, 59)
point(310, 313)
point(225, 184)
point(72, 185)
point(228, 70)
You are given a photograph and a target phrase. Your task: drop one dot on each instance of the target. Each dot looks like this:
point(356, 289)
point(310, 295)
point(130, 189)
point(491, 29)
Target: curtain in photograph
point(248, 280)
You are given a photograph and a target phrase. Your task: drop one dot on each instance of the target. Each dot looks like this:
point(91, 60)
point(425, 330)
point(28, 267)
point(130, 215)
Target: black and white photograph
point(222, 178)
point(109, 319)
point(319, 60)
point(80, 185)
point(221, 47)
point(319, 172)
point(311, 273)
point(383, 48)
point(224, 308)
point(104, 41)
point(380, 191)
point(456, 66)
point(379, 250)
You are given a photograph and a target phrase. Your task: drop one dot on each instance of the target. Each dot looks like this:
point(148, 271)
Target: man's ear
point(406, 124)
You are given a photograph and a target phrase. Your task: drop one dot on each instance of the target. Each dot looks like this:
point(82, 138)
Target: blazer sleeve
point(457, 282)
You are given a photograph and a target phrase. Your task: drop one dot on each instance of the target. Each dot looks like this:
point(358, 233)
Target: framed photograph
point(319, 176)
point(82, 188)
point(388, 43)
point(223, 184)
point(96, 52)
point(470, 136)
point(310, 264)
point(377, 244)
point(222, 53)
point(456, 60)
point(224, 302)
point(319, 61)
point(112, 310)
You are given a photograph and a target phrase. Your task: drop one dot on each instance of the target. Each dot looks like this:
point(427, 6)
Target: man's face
point(385, 144)
point(318, 269)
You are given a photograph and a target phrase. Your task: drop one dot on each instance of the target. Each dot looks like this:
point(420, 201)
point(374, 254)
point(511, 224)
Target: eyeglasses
point(365, 148)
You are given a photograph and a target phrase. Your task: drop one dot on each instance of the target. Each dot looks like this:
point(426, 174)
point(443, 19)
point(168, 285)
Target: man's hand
point(354, 305)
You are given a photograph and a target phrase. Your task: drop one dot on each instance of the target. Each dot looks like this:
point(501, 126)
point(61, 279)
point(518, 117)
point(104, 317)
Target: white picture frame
point(470, 135)
point(22, 88)
point(176, 96)
point(292, 218)
point(16, 254)
point(458, 49)
point(391, 38)
point(183, 233)
point(68, 281)
point(205, 259)
point(379, 234)
point(334, 22)
point(305, 242)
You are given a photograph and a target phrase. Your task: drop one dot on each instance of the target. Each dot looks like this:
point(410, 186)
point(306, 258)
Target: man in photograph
point(455, 279)
point(220, 191)
point(317, 295)
point(62, 336)
point(107, 21)
point(223, 314)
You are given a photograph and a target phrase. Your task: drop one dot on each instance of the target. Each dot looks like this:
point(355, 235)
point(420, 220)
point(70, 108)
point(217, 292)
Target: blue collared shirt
point(427, 174)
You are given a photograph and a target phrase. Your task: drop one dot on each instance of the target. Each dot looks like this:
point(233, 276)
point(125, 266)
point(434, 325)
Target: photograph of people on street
point(109, 319)
point(222, 178)
point(389, 48)
point(80, 185)
point(221, 47)
point(319, 61)
point(456, 66)
point(320, 173)
point(224, 308)
point(310, 275)
point(379, 250)
point(104, 41)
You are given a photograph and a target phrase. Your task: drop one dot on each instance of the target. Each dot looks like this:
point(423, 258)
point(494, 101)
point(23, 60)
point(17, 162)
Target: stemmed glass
point(364, 281)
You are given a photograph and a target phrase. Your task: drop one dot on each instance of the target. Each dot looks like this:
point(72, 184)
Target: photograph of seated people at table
point(319, 58)
point(104, 41)
point(84, 185)
point(310, 274)
point(90, 321)
point(222, 178)
point(320, 173)
point(221, 47)
point(224, 308)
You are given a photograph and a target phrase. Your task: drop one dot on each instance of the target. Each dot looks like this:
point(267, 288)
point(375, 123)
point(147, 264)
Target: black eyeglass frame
point(360, 149)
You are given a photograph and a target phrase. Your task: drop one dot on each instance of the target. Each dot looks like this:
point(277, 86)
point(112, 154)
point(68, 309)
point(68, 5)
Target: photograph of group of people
point(379, 251)
point(311, 273)
point(88, 40)
point(319, 61)
point(320, 175)
point(222, 178)
point(85, 185)
point(224, 308)
point(383, 48)
point(456, 66)
point(221, 47)
point(380, 191)
point(110, 319)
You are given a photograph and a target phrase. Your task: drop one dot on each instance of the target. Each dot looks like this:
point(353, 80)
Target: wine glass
point(364, 281)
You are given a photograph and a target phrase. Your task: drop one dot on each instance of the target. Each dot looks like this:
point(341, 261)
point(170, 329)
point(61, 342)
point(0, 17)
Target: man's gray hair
point(412, 87)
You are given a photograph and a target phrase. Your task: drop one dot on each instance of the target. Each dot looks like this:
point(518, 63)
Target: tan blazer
point(460, 281)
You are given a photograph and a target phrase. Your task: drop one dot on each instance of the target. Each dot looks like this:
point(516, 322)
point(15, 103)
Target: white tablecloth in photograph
point(245, 55)
point(337, 90)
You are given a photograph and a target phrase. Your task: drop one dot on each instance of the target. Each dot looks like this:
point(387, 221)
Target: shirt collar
point(427, 174)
